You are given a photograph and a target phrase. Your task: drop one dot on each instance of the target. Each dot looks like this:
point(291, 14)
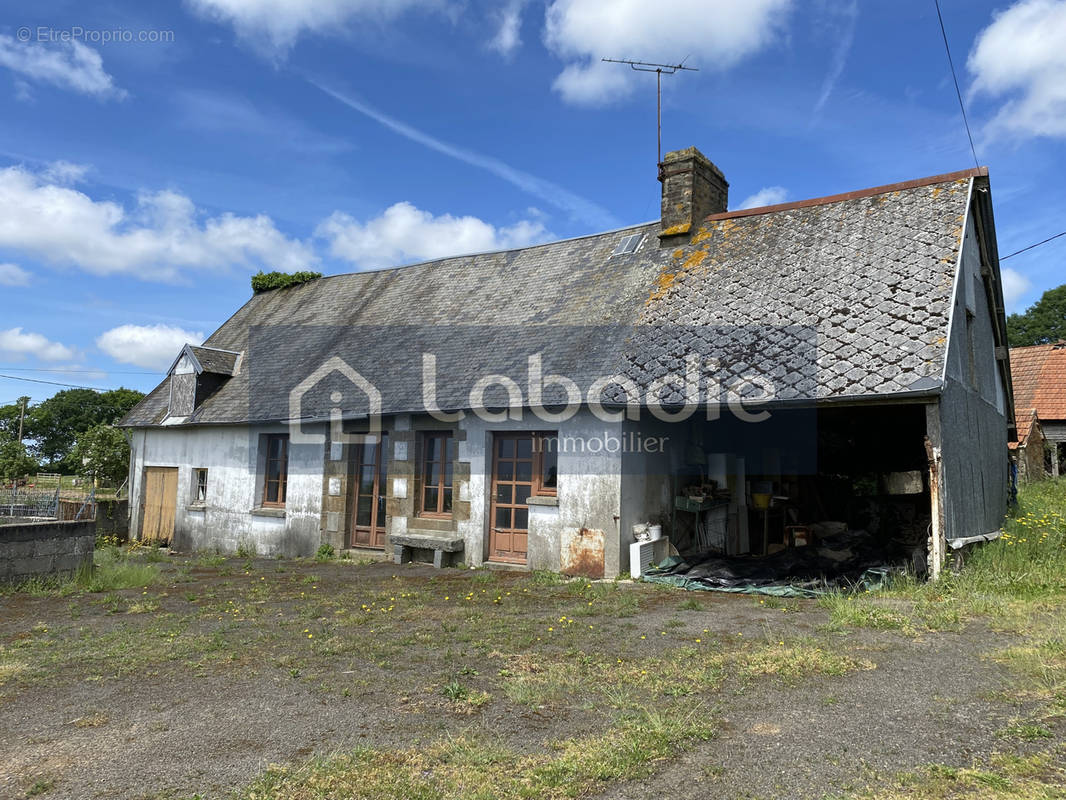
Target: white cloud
point(508, 36)
point(65, 172)
point(161, 238)
point(716, 33)
point(276, 24)
point(1022, 56)
point(767, 196)
point(68, 65)
point(13, 275)
point(1014, 286)
point(149, 346)
point(405, 233)
point(15, 343)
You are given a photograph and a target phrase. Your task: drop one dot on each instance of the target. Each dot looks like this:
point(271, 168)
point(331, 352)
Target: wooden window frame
point(438, 513)
point(196, 473)
point(283, 470)
point(538, 489)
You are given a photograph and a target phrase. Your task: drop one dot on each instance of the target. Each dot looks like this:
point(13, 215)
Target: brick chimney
point(693, 188)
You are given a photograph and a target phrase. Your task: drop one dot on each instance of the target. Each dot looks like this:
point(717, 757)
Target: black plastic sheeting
point(850, 560)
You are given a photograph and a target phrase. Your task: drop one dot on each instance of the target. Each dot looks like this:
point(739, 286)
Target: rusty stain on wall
point(584, 556)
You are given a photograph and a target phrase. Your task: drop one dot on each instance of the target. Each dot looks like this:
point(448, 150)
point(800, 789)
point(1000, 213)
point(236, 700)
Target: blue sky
point(143, 179)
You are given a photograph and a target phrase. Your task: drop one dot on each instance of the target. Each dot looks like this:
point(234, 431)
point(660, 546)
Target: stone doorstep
point(427, 541)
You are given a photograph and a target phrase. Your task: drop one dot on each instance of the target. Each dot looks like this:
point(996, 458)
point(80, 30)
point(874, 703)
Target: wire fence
point(29, 503)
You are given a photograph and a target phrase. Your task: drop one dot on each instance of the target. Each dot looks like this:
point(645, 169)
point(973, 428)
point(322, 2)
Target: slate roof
point(218, 362)
point(1039, 377)
point(843, 297)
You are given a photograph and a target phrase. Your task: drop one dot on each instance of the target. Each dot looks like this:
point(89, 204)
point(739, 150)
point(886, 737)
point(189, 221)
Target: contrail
point(576, 206)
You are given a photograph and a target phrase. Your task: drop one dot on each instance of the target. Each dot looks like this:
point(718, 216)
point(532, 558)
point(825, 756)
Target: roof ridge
point(888, 188)
point(429, 261)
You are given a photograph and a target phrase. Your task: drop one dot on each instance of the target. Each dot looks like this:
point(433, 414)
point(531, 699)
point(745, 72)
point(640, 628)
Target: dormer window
point(196, 374)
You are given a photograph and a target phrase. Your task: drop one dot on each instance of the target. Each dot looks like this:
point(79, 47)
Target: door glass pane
point(504, 493)
point(447, 500)
point(505, 470)
point(381, 511)
point(524, 471)
point(503, 518)
point(506, 448)
point(429, 499)
point(432, 476)
point(432, 451)
point(521, 518)
point(362, 512)
point(366, 479)
point(383, 461)
point(525, 448)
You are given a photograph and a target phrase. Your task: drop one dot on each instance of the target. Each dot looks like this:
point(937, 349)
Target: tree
point(103, 454)
point(54, 425)
point(14, 461)
point(1043, 322)
point(9, 419)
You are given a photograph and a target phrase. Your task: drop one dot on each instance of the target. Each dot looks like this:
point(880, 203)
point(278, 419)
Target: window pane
point(549, 477)
point(525, 448)
point(506, 448)
point(272, 489)
point(452, 448)
point(504, 493)
point(447, 507)
point(505, 470)
point(273, 469)
point(448, 473)
point(281, 492)
point(432, 450)
point(429, 499)
point(503, 518)
point(521, 518)
point(275, 447)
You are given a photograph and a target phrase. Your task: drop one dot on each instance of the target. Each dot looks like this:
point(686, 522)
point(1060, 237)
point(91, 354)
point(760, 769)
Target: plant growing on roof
point(268, 281)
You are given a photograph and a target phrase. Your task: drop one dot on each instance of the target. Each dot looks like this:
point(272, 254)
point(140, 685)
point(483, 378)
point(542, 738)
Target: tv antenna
point(659, 70)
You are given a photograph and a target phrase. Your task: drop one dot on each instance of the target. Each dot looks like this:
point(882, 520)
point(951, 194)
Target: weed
point(325, 552)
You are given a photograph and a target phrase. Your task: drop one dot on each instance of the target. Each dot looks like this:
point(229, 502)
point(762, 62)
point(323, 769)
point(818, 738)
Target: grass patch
point(477, 770)
point(1036, 777)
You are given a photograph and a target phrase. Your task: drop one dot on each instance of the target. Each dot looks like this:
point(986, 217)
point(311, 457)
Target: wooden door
point(369, 480)
point(160, 503)
point(512, 484)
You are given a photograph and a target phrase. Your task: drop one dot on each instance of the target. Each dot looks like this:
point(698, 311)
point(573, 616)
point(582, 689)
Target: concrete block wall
point(41, 549)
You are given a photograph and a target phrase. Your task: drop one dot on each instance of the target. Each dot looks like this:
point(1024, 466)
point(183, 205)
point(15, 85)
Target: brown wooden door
point(160, 503)
point(512, 482)
point(369, 480)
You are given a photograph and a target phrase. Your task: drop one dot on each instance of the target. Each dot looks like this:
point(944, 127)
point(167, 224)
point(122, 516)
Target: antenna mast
point(659, 70)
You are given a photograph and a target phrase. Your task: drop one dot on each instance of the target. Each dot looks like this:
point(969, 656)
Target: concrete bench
point(443, 546)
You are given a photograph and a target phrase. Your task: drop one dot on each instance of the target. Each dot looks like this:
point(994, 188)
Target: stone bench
point(444, 546)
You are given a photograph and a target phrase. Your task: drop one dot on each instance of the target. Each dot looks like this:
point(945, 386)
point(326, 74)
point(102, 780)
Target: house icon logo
point(336, 411)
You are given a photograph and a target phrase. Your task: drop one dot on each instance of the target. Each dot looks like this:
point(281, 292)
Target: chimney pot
point(693, 188)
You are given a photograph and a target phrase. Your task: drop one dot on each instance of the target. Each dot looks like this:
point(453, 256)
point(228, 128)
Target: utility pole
point(22, 416)
point(659, 70)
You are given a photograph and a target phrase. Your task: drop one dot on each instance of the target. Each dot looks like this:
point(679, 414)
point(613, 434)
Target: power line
point(958, 91)
point(52, 383)
point(1030, 247)
point(80, 371)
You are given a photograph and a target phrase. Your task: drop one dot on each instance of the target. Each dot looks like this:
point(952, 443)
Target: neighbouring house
point(747, 380)
point(1039, 377)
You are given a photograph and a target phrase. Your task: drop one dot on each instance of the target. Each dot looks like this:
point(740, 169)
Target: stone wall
point(32, 549)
